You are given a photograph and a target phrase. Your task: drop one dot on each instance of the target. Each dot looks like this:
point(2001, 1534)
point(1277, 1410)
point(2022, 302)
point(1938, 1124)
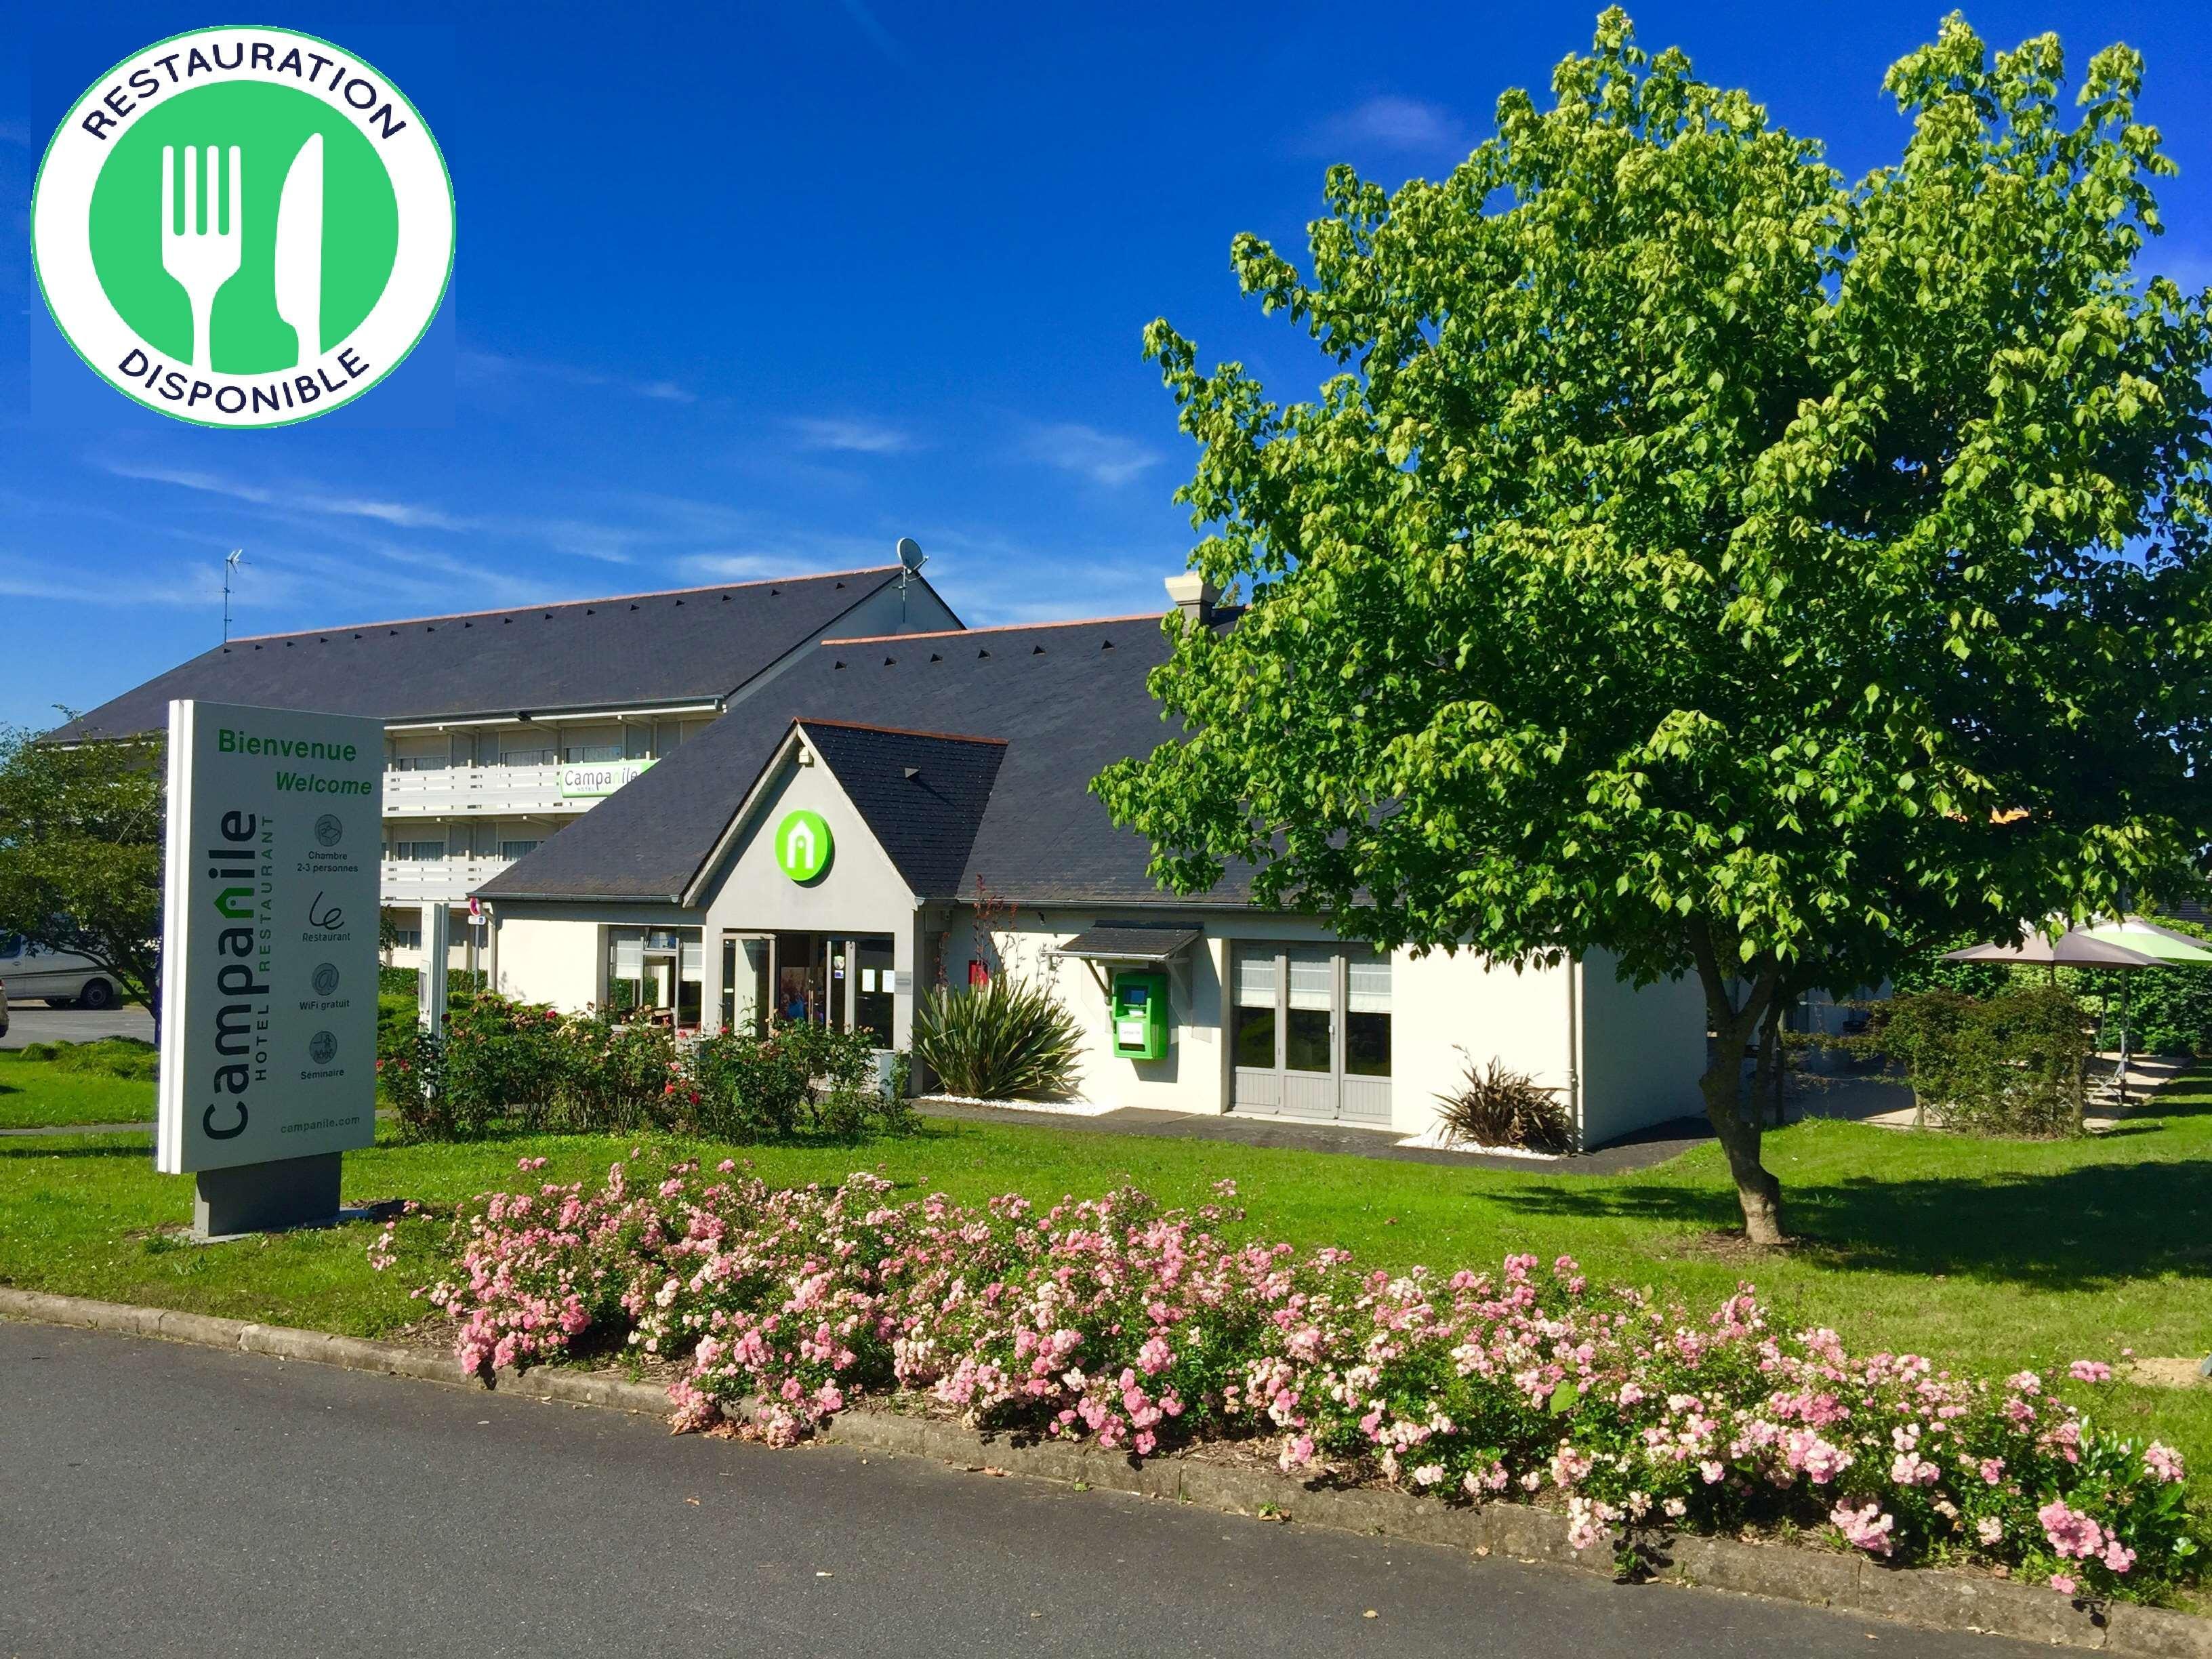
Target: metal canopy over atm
point(1129, 942)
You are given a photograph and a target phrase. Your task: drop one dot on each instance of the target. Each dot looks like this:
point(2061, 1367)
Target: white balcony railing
point(495, 791)
point(435, 881)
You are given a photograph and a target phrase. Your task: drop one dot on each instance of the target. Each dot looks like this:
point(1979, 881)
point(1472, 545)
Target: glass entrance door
point(747, 988)
point(842, 981)
point(801, 977)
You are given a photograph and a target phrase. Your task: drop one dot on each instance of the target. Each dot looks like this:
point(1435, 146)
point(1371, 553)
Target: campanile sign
point(268, 1068)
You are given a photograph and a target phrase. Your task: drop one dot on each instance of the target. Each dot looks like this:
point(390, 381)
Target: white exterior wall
point(1193, 1077)
point(1643, 1052)
point(1632, 1057)
point(554, 959)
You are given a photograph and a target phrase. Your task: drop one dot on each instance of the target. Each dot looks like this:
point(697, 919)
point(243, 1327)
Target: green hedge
point(407, 982)
point(2013, 1064)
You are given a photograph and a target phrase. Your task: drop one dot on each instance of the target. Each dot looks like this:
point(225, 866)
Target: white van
point(64, 979)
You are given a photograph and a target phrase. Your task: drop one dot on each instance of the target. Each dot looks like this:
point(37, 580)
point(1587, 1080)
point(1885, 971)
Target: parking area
point(35, 1021)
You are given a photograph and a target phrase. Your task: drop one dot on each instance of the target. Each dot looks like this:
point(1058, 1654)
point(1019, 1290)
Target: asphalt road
point(34, 1021)
point(159, 1499)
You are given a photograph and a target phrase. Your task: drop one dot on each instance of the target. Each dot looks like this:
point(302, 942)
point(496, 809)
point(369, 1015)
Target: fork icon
point(201, 261)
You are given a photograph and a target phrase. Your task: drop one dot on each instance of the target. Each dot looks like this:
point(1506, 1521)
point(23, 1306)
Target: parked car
point(3, 1007)
point(63, 978)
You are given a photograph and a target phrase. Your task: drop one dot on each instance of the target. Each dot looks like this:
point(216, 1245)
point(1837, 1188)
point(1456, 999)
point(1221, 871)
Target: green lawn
point(1988, 1254)
point(35, 1093)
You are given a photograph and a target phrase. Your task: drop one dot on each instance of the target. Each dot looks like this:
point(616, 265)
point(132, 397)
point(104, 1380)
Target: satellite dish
point(910, 554)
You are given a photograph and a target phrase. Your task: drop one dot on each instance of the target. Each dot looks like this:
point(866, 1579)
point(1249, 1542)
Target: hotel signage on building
point(269, 936)
point(591, 780)
point(803, 845)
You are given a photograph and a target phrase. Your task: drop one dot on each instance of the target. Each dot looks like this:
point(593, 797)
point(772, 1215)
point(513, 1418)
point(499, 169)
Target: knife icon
point(300, 249)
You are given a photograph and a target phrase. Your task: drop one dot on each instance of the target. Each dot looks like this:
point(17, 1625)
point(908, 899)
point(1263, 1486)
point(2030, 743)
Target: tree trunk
point(1756, 1189)
point(1766, 1075)
point(1739, 1129)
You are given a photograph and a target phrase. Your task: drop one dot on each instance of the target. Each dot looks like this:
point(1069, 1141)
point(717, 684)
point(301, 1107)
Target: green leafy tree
point(1698, 559)
point(81, 835)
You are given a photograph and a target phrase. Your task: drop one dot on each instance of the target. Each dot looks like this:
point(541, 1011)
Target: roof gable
point(920, 794)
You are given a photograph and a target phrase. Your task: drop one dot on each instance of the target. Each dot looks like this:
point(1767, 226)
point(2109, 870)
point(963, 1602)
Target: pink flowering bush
point(1138, 1328)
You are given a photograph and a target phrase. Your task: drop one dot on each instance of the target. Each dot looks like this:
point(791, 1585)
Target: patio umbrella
point(2129, 943)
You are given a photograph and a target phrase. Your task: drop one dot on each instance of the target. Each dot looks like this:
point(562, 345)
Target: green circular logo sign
point(243, 227)
point(803, 845)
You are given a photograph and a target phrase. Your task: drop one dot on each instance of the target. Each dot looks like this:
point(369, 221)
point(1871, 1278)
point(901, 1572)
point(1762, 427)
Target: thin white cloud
point(1104, 458)
point(206, 483)
point(989, 578)
point(860, 437)
point(404, 514)
point(878, 37)
point(24, 580)
point(1392, 125)
point(609, 544)
point(486, 368)
point(732, 567)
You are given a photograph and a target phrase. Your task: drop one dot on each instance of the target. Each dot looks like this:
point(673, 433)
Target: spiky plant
point(1007, 1039)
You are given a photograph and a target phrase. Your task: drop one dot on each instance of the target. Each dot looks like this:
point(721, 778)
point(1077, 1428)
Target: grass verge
point(36, 1094)
point(1988, 1254)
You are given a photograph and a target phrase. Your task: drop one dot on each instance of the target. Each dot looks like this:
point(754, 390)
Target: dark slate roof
point(637, 650)
point(1067, 698)
point(921, 794)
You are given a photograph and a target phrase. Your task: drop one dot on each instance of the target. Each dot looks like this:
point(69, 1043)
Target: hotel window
point(1367, 1016)
point(1310, 1008)
point(433, 752)
point(1254, 1037)
point(418, 850)
point(521, 755)
point(515, 849)
point(579, 754)
point(657, 974)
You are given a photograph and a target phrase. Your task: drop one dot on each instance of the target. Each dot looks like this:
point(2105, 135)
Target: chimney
point(1193, 596)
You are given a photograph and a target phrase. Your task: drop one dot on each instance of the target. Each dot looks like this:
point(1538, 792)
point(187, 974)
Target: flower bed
point(1114, 1320)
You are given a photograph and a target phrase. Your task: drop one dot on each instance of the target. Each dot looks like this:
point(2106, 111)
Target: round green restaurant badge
point(802, 845)
point(243, 227)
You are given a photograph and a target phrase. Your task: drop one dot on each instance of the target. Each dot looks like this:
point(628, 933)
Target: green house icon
point(803, 844)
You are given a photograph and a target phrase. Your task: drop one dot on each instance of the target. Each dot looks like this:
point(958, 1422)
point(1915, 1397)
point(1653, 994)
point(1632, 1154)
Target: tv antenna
point(232, 560)
point(911, 559)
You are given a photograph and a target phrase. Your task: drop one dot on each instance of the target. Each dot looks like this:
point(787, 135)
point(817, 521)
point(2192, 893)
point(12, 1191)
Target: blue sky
point(758, 290)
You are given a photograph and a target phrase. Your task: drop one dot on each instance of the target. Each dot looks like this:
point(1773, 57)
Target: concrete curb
point(1853, 1583)
point(320, 1348)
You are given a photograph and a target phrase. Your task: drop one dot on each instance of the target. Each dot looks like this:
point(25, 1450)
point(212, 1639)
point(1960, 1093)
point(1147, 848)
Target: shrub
point(1502, 1107)
point(800, 1078)
point(1006, 1039)
point(502, 1062)
point(1138, 1328)
point(2007, 1065)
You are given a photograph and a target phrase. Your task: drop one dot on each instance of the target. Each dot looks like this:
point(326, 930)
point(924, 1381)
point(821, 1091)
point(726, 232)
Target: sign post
point(268, 1065)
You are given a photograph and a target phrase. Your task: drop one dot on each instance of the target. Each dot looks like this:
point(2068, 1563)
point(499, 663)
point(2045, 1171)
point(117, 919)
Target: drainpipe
point(1575, 1045)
